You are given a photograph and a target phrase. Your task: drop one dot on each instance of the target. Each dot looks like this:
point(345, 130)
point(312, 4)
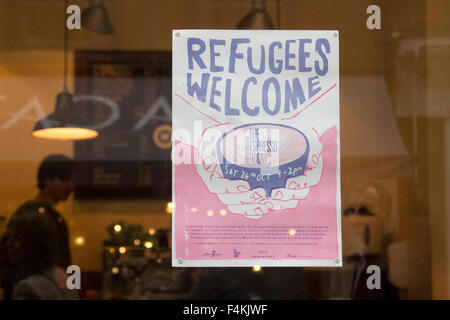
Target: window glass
point(101, 206)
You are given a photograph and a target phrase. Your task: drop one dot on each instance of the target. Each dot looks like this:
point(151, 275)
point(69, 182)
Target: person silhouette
point(30, 245)
point(55, 181)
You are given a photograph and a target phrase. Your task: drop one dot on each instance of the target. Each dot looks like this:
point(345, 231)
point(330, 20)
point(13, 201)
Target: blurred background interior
point(395, 136)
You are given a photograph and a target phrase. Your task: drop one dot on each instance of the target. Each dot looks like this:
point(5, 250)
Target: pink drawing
point(249, 179)
point(198, 206)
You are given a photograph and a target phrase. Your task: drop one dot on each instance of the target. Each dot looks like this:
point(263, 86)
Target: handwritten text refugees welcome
point(213, 63)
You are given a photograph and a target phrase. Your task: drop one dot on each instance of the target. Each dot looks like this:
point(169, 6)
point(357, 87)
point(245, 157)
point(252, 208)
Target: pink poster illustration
point(256, 148)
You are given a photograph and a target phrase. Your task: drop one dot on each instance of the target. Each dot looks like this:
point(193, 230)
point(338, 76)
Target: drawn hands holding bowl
point(258, 168)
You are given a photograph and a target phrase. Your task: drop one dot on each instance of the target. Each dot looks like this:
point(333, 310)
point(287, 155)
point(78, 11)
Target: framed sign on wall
point(126, 97)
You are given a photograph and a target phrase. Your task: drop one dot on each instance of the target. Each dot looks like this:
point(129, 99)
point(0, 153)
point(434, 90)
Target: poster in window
point(255, 148)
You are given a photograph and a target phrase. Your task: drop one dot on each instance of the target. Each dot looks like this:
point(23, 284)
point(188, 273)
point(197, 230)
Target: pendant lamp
point(95, 18)
point(258, 18)
point(64, 123)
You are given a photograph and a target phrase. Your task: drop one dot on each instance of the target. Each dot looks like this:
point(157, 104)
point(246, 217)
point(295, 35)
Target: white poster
point(255, 148)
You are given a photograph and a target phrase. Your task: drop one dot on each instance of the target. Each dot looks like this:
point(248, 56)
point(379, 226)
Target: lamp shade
point(258, 18)
point(95, 18)
point(368, 124)
point(63, 123)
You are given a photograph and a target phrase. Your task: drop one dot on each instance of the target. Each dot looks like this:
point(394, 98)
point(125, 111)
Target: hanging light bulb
point(95, 18)
point(64, 123)
point(258, 18)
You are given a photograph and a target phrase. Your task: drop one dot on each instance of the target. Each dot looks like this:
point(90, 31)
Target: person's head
point(371, 199)
point(56, 175)
point(30, 240)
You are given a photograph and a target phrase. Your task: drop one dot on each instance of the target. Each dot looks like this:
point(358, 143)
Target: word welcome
point(218, 58)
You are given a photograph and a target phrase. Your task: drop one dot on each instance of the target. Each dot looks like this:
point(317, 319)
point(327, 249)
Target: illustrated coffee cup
point(263, 154)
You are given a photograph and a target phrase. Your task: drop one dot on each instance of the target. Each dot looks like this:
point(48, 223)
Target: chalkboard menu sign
point(126, 95)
